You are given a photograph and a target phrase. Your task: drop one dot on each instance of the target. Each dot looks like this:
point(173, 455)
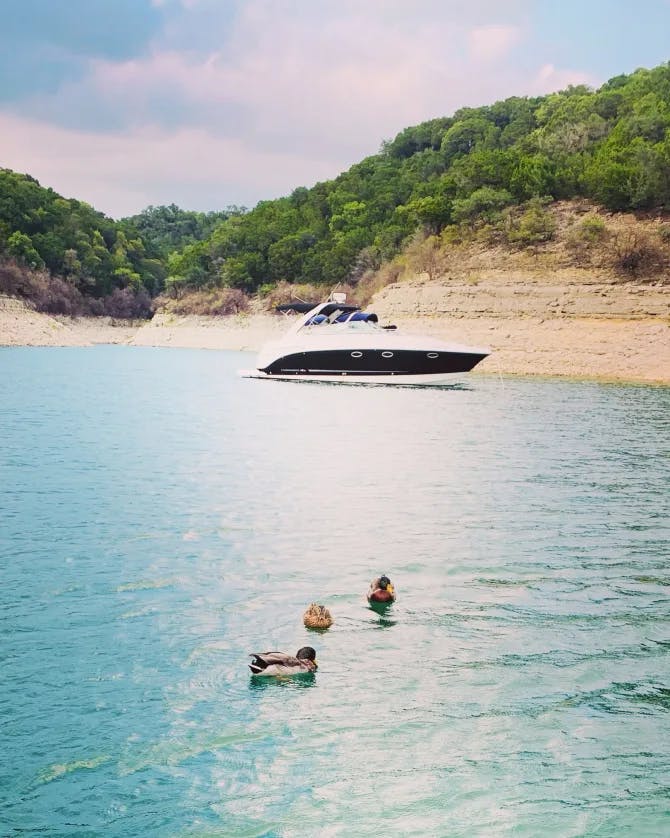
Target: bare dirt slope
point(21, 325)
point(566, 326)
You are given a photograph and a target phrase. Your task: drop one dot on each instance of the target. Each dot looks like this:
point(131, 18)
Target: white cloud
point(548, 78)
point(490, 43)
point(120, 174)
point(291, 95)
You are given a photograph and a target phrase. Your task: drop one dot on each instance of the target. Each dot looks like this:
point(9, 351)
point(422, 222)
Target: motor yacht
point(338, 342)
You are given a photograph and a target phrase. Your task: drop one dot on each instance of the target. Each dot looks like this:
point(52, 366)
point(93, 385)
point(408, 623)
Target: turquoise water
point(161, 519)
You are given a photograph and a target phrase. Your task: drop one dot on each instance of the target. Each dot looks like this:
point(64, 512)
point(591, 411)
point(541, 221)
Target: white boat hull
point(432, 380)
point(322, 346)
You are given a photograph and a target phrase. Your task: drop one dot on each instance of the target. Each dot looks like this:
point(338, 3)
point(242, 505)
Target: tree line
point(77, 260)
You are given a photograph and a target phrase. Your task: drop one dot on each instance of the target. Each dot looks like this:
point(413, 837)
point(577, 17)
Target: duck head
point(385, 584)
point(306, 653)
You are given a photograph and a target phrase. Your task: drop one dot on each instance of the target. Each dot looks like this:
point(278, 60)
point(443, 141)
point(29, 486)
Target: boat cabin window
point(316, 320)
point(357, 316)
point(338, 316)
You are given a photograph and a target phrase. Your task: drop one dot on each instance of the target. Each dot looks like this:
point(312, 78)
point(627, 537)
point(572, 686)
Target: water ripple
point(161, 519)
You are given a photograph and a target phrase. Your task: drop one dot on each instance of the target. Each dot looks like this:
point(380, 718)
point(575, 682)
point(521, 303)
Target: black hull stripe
point(372, 362)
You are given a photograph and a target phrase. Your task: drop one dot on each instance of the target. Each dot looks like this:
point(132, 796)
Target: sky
point(212, 103)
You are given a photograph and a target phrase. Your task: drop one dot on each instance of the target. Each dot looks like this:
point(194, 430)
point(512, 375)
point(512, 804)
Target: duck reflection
point(384, 612)
point(292, 682)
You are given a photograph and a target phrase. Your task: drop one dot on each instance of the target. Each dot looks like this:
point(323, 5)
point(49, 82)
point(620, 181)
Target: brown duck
point(381, 590)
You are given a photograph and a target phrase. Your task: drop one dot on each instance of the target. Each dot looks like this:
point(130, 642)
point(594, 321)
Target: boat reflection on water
point(336, 342)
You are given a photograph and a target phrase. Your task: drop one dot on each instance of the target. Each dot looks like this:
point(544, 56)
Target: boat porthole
point(387, 354)
point(356, 354)
point(433, 355)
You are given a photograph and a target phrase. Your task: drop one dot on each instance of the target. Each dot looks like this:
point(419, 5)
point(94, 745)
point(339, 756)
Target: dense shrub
point(425, 255)
point(592, 229)
point(373, 281)
point(127, 303)
point(46, 293)
point(210, 303)
point(636, 255)
point(285, 292)
point(483, 204)
point(535, 225)
point(584, 241)
point(53, 295)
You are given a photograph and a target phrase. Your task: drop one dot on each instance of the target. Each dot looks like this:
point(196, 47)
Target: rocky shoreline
point(568, 326)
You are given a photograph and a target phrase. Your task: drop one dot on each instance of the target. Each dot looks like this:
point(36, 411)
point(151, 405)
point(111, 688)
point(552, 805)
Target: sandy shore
point(21, 326)
point(569, 325)
point(563, 327)
point(242, 331)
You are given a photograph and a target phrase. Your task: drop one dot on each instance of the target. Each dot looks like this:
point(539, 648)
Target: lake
point(161, 518)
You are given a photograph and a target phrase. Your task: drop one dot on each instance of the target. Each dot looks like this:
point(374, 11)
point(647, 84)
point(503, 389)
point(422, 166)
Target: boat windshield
point(351, 318)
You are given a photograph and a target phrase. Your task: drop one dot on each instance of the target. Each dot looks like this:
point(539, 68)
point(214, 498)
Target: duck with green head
point(381, 590)
point(281, 663)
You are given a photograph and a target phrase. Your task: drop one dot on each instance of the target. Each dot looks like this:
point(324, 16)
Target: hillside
point(611, 146)
point(492, 177)
point(66, 258)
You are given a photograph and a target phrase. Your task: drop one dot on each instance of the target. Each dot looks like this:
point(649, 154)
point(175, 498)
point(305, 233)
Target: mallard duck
point(280, 663)
point(317, 617)
point(381, 590)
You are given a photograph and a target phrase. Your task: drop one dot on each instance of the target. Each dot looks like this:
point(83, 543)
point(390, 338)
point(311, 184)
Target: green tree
point(467, 134)
point(485, 203)
point(20, 246)
point(535, 226)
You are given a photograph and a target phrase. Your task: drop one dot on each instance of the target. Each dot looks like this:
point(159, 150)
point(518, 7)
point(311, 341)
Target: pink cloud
point(286, 100)
point(490, 43)
point(120, 174)
point(549, 78)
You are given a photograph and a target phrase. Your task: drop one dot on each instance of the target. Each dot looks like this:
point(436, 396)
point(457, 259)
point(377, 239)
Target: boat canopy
point(299, 307)
point(324, 308)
